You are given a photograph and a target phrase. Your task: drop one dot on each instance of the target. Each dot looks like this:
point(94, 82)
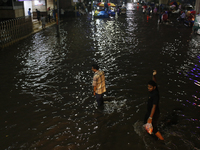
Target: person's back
point(165, 17)
point(100, 81)
point(43, 20)
point(29, 12)
point(183, 15)
point(155, 10)
point(38, 13)
point(98, 84)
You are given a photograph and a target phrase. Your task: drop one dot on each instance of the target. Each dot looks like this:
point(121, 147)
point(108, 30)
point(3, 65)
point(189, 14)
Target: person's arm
point(152, 113)
point(94, 89)
point(154, 75)
point(94, 84)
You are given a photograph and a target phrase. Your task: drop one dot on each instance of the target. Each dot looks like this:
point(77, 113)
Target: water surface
point(46, 93)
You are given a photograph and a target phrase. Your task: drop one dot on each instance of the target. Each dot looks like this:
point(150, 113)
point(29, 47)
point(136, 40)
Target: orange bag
point(149, 128)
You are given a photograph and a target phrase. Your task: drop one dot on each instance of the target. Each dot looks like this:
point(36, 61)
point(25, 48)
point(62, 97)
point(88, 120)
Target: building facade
point(11, 9)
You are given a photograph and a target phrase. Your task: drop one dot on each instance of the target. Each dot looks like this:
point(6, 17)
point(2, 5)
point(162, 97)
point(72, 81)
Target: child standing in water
point(153, 111)
point(43, 21)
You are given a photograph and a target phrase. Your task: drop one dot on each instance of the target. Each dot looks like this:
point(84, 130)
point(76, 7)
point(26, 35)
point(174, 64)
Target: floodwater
point(46, 93)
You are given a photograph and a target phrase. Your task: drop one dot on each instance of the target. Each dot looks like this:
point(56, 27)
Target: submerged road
point(46, 93)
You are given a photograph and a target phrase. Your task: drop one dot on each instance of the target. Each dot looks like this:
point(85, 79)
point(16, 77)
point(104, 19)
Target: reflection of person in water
point(153, 111)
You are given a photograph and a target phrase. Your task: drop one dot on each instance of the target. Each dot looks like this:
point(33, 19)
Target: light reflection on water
point(48, 103)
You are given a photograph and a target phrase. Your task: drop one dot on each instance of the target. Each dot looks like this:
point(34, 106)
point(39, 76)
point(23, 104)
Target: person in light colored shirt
point(62, 12)
point(43, 21)
point(182, 17)
point(99, 86)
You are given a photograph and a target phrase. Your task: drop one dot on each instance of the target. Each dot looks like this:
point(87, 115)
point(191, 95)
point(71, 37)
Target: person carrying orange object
point(153, 111)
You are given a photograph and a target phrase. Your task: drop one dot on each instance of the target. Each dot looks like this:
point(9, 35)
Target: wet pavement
point(37, 26)
point(46, 93)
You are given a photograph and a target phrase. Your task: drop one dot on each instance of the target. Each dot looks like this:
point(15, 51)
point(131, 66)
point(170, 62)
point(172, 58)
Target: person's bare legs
point(158, 134)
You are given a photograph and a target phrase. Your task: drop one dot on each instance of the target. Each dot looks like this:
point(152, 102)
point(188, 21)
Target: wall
point(65, 3)
point(7, 14)
point(41, 6)
point(163, 1)
point(27, 5)
point(50, 3)
point(197, 6)
point(19, 12)
point(11, 9)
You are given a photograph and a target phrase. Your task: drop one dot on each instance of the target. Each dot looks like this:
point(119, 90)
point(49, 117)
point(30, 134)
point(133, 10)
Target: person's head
point(42, 15)
point(95, 67)
point(151, 86)
point(29, 9)
point(36, 10)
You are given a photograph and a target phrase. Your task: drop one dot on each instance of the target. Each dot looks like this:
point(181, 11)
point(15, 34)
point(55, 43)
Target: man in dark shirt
point(153, 111)
point(38, 15)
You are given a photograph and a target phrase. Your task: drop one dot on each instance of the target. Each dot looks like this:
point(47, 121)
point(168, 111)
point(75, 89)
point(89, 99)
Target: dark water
point(46, 93)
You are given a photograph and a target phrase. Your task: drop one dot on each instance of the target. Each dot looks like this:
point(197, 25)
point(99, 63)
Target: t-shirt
point(62, 11)
point(38, 13)
point(43, 20)
point(165, 17)
point(153, 99)
point(183, 15)
point(29, 13)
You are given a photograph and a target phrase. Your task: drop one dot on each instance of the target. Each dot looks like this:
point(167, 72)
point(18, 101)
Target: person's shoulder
point(101, 71)
point(96, 73)
point(155, 92)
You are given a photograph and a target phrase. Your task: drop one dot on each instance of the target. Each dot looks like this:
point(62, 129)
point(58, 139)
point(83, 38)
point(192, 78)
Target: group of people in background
point(49, 17)
point(186, 17)
point(163, 14)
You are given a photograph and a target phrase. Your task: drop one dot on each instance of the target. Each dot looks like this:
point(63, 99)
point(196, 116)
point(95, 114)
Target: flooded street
point(46, 86)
